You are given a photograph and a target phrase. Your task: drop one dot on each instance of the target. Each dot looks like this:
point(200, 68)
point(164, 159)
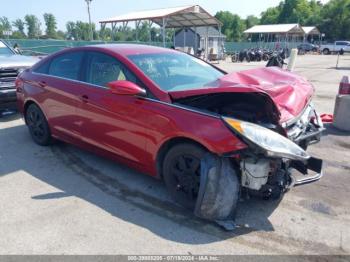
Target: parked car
point(207, 133)
point(308, 47)
point(11, 64)
point(337, 46)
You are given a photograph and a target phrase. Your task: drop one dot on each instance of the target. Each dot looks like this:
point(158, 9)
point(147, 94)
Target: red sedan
point(207, 133)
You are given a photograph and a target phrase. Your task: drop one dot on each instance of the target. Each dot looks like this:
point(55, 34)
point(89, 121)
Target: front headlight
point(272, 143)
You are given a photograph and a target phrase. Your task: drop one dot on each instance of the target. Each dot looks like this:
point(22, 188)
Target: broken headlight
point(272, 143)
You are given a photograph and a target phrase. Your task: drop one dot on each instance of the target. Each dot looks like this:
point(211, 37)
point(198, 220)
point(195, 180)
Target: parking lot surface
point(62, 200)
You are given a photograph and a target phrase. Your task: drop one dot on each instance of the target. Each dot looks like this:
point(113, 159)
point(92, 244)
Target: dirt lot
point(61, 200)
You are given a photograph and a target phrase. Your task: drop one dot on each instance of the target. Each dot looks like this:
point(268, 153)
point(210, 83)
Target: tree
point(19, 24)
point(238, 26)
point(233, 26)
point(251, 20)
point(81, 30)
point(60, 35)
point(144, 32)
point(288, 12)
point(5, 25)
point(51, 25)
point(336, 19)
point(315, 18)
point(226, 18)
point(105, 33)
point(270, 16)
point(33, 26)
point(71, 30)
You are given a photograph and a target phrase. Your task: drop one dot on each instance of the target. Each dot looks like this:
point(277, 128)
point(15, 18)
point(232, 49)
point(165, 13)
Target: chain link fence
point(37, 47)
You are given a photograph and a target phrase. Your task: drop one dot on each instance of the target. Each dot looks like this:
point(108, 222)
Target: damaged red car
point(208, 134)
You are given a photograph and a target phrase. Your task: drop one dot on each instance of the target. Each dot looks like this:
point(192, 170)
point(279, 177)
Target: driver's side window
point(103, 69)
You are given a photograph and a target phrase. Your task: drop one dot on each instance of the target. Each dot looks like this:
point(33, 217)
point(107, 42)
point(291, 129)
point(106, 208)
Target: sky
point(73, 10)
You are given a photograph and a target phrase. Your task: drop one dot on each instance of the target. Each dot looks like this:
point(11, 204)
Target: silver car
point(11, 64)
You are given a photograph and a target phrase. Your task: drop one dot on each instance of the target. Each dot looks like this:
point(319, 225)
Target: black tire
point(181, 172)
point(326, 51)
point(234, 58)
point(37, 125)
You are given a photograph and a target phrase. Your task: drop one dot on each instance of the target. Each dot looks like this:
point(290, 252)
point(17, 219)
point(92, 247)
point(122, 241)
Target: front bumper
point(313, 164)
point(8, 99)
point(305, 129)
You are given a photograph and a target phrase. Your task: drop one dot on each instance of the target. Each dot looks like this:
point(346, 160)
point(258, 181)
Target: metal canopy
point(190, 16)
point(176, 17)
point(311, 30)
point(276, 29)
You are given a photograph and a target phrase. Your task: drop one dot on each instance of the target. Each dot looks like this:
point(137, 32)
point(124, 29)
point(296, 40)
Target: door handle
point(84, 98)
point(42, 83)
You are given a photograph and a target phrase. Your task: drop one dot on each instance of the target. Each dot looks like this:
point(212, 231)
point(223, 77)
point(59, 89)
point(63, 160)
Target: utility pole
point(88, 2)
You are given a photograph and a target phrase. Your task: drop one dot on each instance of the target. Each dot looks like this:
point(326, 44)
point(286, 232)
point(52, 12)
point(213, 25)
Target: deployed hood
point(290, 92)
point(17, 61)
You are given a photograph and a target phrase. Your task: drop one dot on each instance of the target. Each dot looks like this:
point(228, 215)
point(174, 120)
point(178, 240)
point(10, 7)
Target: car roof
point(130, 49)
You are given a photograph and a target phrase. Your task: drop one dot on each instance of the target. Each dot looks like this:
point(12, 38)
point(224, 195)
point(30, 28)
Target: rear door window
point(67, 65)
point(43, 68)
point(340, 43)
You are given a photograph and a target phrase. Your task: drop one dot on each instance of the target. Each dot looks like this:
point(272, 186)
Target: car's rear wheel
point(37, 125)
point(181, 172)
point(326, 51)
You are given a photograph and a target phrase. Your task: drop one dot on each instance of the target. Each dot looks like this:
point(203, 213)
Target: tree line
point(332, 18)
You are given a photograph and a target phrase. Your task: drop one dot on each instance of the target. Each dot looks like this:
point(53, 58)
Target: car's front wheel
point(181, 172)
point(37, 125)
point(326, 51)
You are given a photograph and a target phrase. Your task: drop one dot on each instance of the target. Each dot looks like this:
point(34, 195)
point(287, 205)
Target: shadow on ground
point(340, 68)
point(123, 184)
point(331, 130)
point(8, 116)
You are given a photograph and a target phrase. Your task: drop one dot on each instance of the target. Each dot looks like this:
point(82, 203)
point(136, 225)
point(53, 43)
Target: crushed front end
point(276, 161)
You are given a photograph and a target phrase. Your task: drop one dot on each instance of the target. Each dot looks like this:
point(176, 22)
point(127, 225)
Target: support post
point(113, 30)
point(184, 43)
point(206, 43)
point(103, 27)
point(195, 41)
point(220, 44)
point(150, 23)
point(125, 24)
point(164, 22)
point(137, 24)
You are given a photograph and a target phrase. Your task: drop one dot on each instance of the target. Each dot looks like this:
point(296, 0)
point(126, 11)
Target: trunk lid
point(290, 92)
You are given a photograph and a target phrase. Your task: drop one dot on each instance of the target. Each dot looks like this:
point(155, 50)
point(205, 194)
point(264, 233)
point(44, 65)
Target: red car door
point(61, 90)
point(111, 122)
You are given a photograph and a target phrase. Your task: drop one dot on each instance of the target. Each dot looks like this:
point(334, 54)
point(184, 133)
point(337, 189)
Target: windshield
point(176, 71)
point(4, 50)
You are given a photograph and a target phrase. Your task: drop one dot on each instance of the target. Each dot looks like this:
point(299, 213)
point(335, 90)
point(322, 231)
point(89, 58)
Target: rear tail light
point(344, 86)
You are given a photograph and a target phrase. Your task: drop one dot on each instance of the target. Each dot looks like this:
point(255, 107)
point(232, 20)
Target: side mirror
point(124, 87)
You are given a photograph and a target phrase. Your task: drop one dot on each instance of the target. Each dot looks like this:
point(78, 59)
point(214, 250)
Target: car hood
point(289, 91)
point(17, 61)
